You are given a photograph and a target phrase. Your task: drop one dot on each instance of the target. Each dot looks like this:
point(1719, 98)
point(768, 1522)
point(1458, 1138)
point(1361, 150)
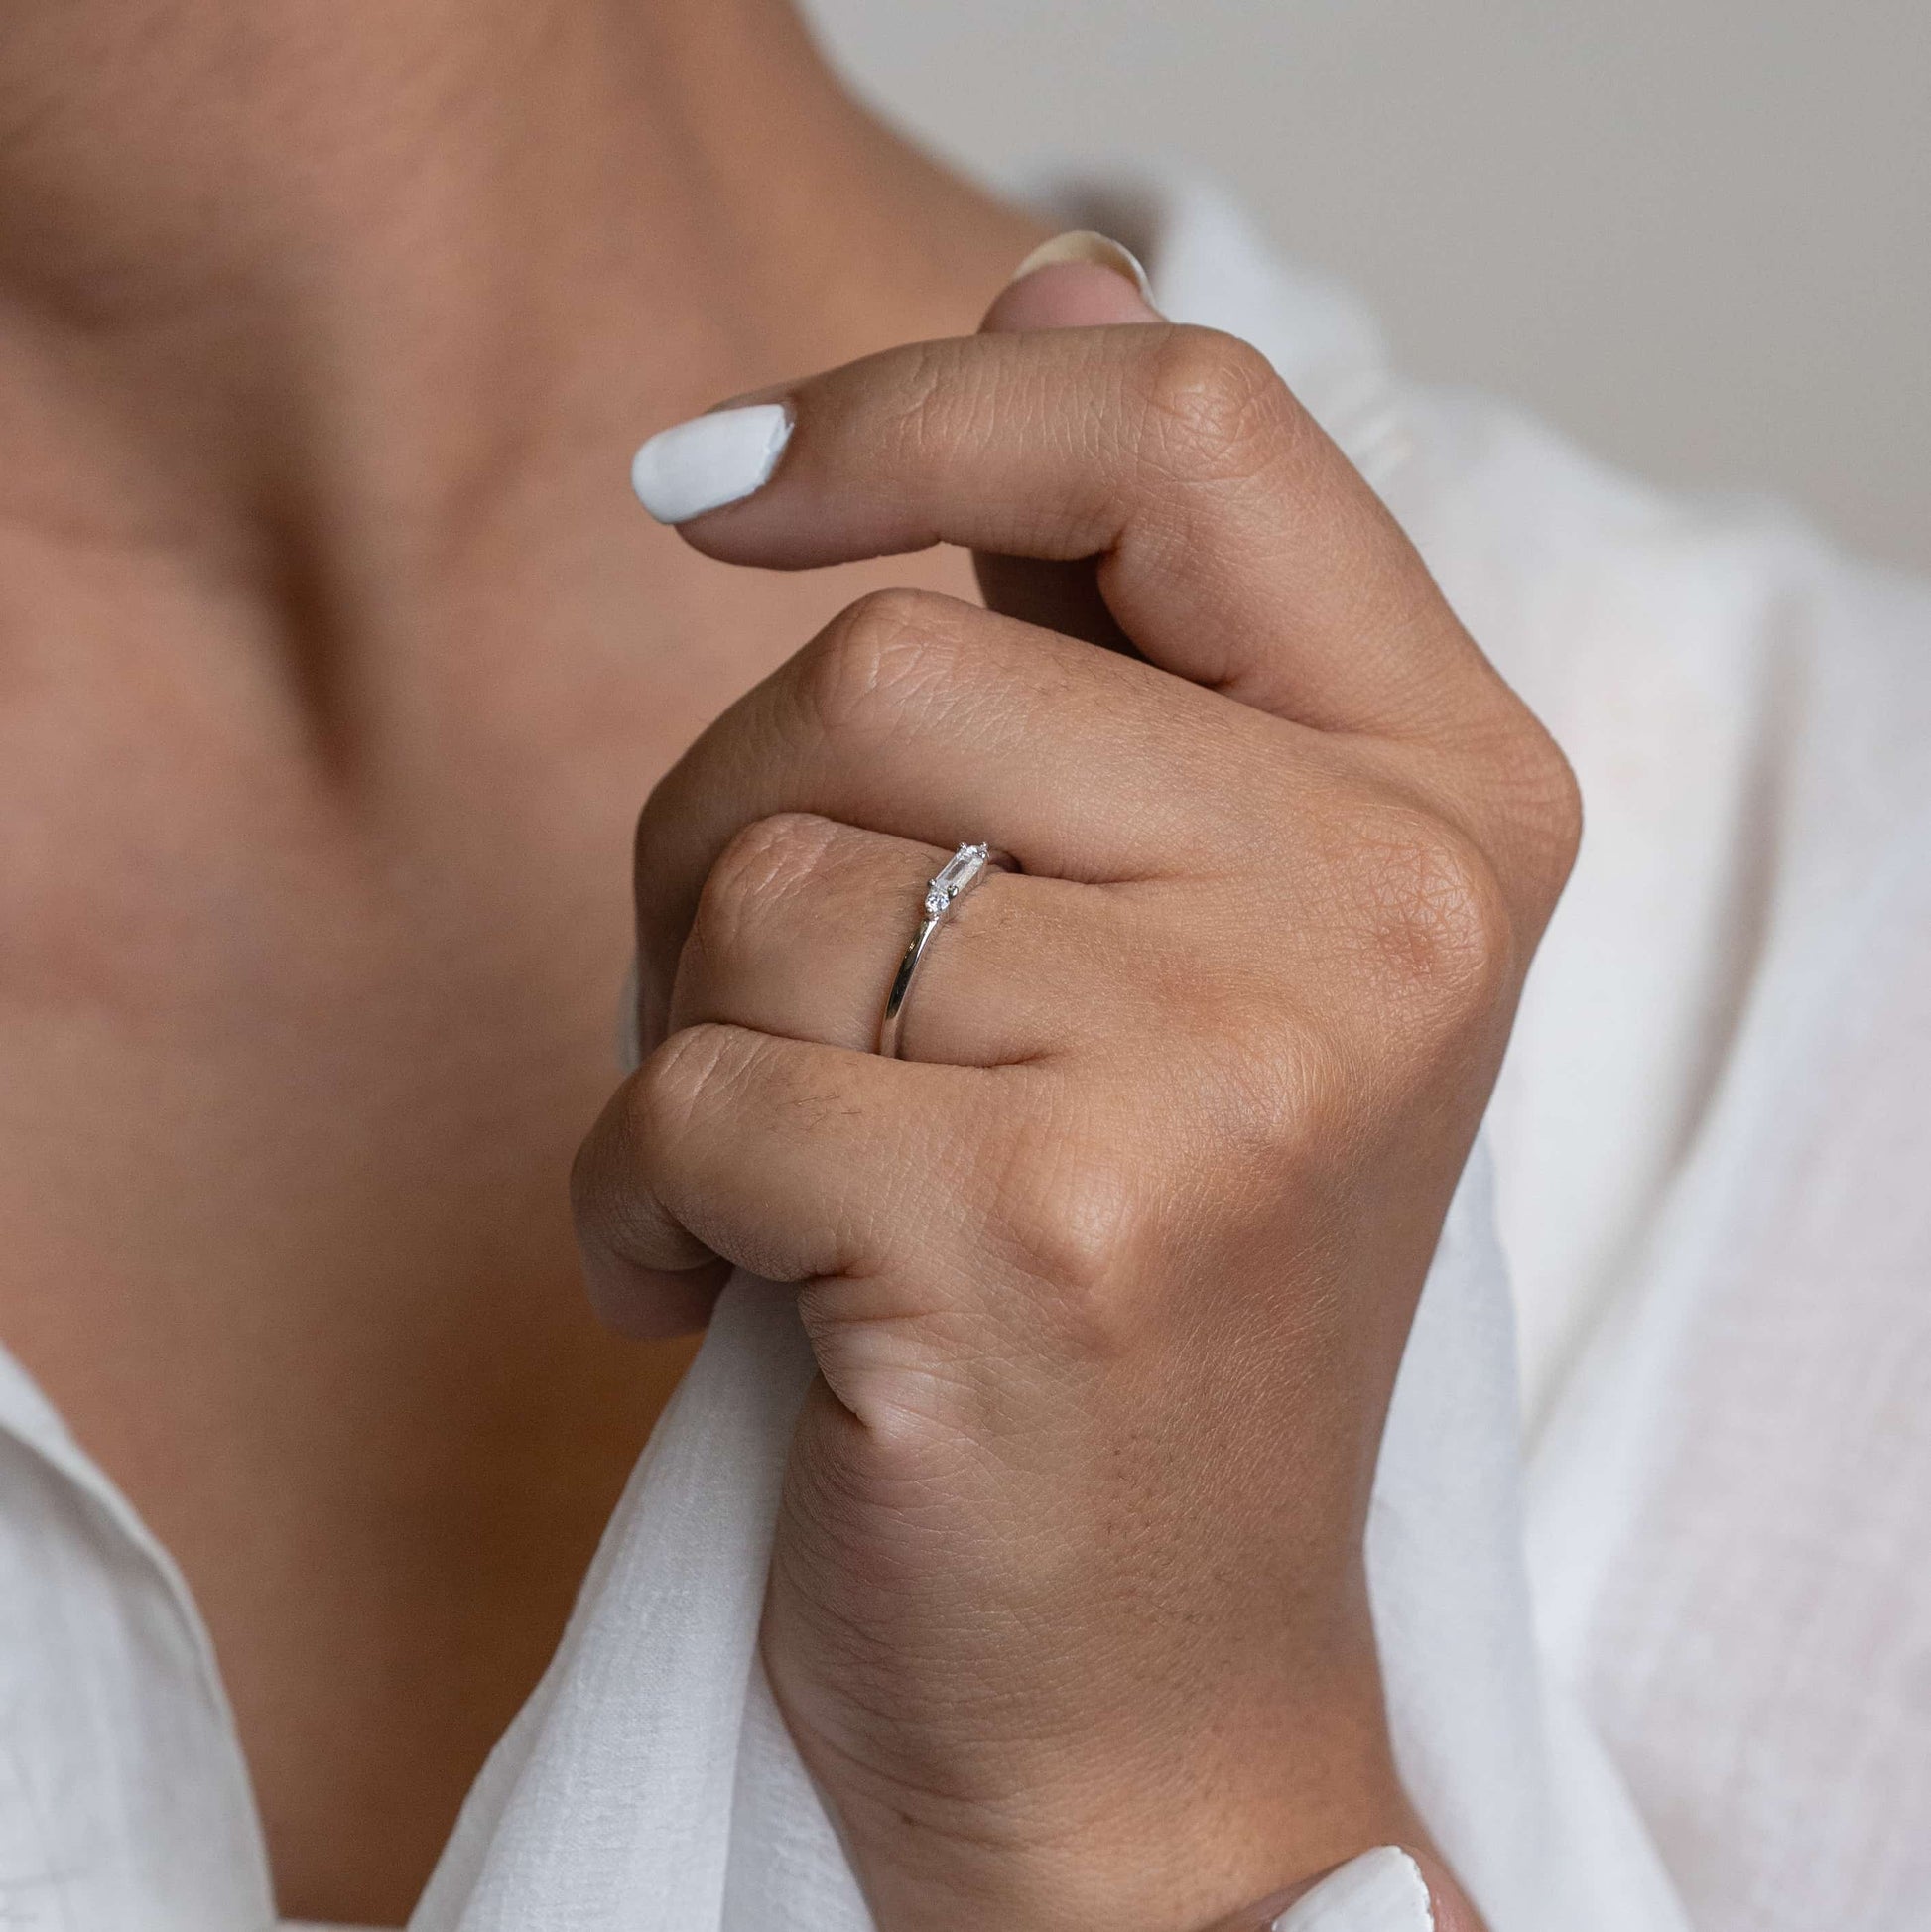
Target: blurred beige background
point(1696, 234)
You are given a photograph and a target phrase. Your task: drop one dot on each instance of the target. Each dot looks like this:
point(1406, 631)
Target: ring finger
point(802, 924)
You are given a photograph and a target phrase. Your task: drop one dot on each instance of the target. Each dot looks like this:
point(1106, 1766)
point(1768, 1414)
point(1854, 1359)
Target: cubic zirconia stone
point(959, 869)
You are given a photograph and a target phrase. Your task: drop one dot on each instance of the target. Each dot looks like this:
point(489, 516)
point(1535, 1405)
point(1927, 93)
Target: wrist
point(1156, 1854)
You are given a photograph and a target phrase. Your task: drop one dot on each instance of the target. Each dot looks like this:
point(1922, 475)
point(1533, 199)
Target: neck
point(358, 271)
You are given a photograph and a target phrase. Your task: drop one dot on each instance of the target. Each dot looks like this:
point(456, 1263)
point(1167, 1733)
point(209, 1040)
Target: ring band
point(956, 877)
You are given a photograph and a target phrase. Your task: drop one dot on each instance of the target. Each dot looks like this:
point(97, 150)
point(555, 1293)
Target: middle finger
point(938, 723)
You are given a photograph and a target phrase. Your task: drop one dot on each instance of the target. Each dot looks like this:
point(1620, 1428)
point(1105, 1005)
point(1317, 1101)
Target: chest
point(307, 992)
point(293, 1058)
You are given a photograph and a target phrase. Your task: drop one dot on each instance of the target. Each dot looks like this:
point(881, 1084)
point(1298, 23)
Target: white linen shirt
point(1712, 1155)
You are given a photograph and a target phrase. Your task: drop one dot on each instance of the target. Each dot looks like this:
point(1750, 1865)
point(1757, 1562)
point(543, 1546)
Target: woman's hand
point(1109, 1276)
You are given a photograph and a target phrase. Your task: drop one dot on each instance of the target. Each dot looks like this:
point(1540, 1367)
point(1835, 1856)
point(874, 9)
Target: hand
point(1108, 1278)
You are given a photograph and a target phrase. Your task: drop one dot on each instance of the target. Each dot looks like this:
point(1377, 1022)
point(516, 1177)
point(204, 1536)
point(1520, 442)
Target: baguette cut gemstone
point(959, 872)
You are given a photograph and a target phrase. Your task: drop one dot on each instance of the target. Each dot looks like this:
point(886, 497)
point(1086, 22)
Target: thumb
point(1078, 280)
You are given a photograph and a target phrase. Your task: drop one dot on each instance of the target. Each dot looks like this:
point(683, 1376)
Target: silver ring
point(950, 884)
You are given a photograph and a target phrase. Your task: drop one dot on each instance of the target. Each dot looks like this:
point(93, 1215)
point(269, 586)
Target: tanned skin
point(334, 664)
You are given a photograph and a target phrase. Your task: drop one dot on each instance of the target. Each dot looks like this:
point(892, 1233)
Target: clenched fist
point(1108, 1275)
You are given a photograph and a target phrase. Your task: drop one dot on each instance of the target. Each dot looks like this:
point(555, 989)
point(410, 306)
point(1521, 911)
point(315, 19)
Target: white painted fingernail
point(1086, 245)
point(1380, 1891)
point(711, 461)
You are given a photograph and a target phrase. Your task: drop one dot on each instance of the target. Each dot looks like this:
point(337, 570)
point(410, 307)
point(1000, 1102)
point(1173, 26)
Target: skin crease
point(324, 340)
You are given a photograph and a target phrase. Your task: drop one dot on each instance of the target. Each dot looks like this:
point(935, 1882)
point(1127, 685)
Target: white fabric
point(1667, 1667)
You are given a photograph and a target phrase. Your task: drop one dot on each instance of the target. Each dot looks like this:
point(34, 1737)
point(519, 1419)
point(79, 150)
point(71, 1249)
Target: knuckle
point(1074, 1217)
point(1278, 1103)
point(1436, 922)
point(1552, 813)
point(682, 1081)
point(870, 662)
point(1214, 407)
point(1527, 788)
point(1277, 1091)
point(621, 1168)
point(763, 866)
point(611, 1199)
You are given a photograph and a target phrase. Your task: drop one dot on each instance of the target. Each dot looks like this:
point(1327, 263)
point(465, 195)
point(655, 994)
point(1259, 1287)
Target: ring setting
point(950, 884)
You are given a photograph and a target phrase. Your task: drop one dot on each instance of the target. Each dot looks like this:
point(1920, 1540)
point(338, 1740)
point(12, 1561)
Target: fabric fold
point(651, 1785)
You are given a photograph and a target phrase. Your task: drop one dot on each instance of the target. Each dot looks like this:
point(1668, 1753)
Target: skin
point(335, 662)
point(333, 665)
point(1108, 1278)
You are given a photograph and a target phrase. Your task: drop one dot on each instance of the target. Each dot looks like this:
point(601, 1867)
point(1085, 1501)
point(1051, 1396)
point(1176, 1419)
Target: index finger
point(1235, 545)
